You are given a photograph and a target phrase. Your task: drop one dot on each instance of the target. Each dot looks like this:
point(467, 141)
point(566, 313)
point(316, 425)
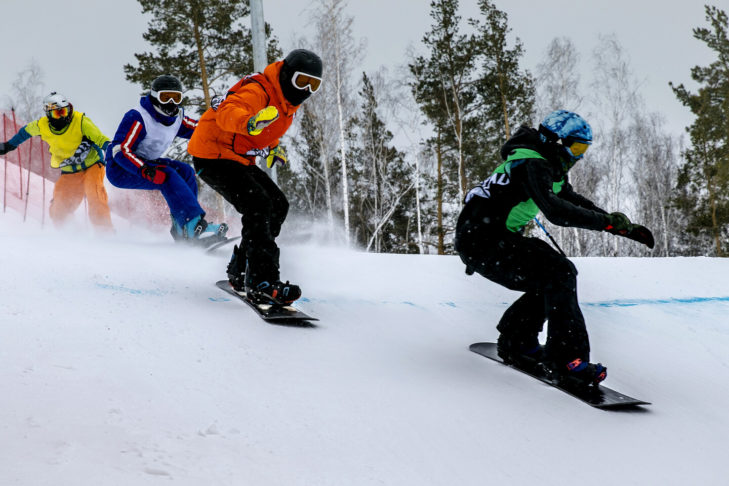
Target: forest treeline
point(382, 160)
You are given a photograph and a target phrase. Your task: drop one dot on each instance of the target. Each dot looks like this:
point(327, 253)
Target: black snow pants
point(263, 208)
point(549, 283)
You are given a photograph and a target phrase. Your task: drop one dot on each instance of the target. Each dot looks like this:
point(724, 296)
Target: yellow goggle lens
point(578, 148)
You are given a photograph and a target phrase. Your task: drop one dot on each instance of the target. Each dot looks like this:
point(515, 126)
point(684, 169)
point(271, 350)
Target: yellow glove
point(263, 118)
point(276, 154)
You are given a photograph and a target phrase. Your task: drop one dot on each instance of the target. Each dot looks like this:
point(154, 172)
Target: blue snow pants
point(179, 189)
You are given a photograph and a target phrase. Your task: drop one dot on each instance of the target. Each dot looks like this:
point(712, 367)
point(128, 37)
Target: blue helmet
point(567, 128)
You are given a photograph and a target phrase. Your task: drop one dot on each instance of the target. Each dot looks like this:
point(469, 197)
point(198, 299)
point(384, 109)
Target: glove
point(276, 154)
point(79, 155)
point(618, 223)
point(154, 174)
point(6, 147)
point(263, 118)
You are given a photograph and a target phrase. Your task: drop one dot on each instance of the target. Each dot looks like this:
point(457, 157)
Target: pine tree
point(703, 184)
point(443, 86)
point(205, 44)
point(443, 83)
point(381, 181)
point(506, 92)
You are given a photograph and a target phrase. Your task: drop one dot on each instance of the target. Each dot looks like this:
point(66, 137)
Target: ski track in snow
point(121, 363)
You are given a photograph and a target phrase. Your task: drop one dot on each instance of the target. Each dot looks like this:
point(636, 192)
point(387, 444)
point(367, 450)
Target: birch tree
point(27, 93)
point(656, 175)
point(615, 98)
point(557, 84)
point(334, 42)
point(383, 182)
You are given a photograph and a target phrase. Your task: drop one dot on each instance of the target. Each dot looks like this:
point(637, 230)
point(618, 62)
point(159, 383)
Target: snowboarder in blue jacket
point(135, 157)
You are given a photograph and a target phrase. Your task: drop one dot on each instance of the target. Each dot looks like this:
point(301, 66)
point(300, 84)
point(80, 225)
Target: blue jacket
point(133, 130)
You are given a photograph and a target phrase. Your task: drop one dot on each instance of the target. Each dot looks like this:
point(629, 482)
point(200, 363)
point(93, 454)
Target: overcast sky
point(82, 45)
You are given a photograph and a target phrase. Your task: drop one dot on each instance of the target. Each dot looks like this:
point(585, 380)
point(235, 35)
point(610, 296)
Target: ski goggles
point(58, 113)
point(578, 149)
point(165, 97)
point(306, 81)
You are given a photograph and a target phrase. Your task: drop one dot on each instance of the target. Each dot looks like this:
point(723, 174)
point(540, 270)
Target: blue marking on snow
point(670, 300)
point(122, 288)
point(219, 299)
point(606, 303)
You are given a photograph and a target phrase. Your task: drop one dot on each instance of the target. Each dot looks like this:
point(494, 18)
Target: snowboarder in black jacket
point(490, 241)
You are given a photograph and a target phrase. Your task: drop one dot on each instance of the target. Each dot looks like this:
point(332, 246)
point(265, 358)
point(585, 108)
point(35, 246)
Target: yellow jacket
point(62, 145)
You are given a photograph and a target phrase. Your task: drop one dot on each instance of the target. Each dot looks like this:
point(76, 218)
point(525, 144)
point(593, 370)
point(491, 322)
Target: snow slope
point(122, 364)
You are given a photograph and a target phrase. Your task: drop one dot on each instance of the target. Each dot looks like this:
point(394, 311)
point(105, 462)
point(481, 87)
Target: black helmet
point(166, 104)
point(300, 62)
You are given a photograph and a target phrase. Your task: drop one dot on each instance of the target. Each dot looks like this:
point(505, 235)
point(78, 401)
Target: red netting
point(29, 192)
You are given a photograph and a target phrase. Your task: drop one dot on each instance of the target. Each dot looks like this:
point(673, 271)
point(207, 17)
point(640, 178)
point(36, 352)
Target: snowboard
point(600, 396)
point(207, 242)
point(275, 314)
point(214, 246)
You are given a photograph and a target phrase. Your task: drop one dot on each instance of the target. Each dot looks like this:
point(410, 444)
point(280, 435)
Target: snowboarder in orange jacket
point(248, 123)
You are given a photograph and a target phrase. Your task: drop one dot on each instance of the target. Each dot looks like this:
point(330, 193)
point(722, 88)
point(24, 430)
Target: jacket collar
point(273, 87)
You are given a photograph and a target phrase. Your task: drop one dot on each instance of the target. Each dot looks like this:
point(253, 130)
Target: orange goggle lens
point(578, 148)
point(306, 81)
point(58, 113)
point(167, 96)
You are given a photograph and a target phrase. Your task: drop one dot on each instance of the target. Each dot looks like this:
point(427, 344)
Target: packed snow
point(121, 363)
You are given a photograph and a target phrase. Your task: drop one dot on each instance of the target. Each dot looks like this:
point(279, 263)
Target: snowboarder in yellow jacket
point(77, 147)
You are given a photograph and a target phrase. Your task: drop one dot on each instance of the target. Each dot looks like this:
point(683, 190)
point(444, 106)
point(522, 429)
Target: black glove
point(618, 223)
point(6, 147)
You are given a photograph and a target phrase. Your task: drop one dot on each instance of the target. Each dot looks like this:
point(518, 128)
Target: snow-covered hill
point(122, 364)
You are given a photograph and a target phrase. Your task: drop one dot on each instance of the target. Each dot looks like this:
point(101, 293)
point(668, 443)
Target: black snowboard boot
point(522, 352)
point(237, 269)
point(579, 373)
point(278, 292)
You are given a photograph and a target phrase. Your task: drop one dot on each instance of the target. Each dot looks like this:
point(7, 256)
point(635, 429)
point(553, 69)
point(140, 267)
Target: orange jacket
point(222, 133)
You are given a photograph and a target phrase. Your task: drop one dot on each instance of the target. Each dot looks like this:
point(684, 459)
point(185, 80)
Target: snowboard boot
point(580, 374)
point(523, 352)
point(277, 293)
point(219, 230)
point(237, 269)
point(197, 226)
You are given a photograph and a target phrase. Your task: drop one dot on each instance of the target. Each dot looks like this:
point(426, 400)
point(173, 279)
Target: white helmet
point(54, 100)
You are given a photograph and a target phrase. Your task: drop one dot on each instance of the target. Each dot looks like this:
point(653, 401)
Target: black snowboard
point(599, 397)
point(214, 246)
point(207, 242)
point(275, 314)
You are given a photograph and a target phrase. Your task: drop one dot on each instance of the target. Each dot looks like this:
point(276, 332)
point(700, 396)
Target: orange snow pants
point(70, 190)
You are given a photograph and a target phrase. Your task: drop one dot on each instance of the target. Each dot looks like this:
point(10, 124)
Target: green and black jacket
point(531, 179)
